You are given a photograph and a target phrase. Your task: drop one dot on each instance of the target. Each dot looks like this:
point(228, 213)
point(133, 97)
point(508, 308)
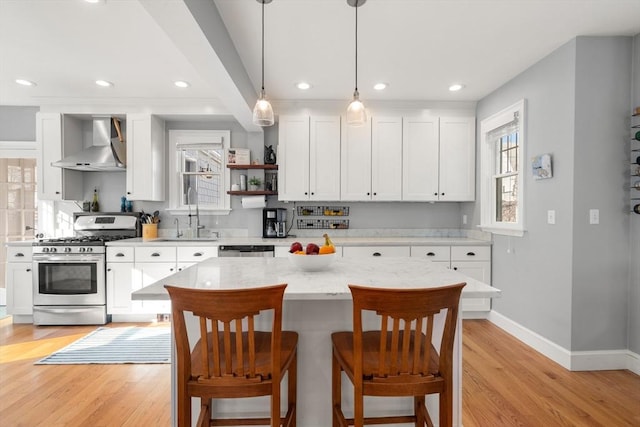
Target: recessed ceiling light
point(181, 84)
point(303, 86)
point(456, 87)
point(380, 86)
point(24, 82)
point(103, 83)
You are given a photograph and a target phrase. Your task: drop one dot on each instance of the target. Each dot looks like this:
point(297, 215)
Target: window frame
point(197, 137)
point(489, 157)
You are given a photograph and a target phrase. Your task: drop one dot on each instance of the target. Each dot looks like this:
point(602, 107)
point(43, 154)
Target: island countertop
point(332, 283)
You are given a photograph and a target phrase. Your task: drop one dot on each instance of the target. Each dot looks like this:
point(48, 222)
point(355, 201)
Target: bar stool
point(399, 359)
point(230, 358)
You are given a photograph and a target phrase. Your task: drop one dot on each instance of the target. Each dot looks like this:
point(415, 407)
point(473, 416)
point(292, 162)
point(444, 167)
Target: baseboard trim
point(602, 360)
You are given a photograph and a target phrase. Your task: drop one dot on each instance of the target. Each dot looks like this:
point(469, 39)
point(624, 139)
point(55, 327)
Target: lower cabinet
point(19, 282)
point(472, 261)
point(365, 251)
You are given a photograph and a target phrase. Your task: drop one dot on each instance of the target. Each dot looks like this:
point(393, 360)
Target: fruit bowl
point(311, 262)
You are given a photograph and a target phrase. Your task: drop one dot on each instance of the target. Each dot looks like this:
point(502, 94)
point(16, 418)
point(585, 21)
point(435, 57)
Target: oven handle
point(67, 258)
point(76, 309)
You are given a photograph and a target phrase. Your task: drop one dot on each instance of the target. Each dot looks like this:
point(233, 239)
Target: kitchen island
point(316, 304)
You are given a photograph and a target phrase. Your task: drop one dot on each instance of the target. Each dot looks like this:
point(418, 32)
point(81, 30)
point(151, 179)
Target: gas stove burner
point(81, 240)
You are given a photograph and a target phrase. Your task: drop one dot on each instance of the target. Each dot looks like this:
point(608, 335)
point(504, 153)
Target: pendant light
point(356, 114)
point(263, 112)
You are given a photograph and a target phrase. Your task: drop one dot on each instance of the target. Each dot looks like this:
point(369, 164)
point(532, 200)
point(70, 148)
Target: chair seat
point(343, 345)
point(263, 353)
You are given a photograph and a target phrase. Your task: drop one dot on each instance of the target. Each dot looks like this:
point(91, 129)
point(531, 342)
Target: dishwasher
point(246, 251)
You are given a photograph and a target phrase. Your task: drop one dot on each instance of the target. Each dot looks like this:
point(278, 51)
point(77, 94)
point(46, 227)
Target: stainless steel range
point(69, 286)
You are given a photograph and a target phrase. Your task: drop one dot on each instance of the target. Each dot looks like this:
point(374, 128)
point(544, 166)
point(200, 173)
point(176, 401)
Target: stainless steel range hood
point(107, 153)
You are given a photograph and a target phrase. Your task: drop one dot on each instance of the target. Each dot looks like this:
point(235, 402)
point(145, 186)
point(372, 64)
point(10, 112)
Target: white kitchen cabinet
point(475, 262)
point(55, 183)
point(153, 263)
point(19, 283)
point(371, 160)
point(309, 158)
point(437, 254)
point(438, 158)
point(145, 158)
point(120, 281)
point(366, 251)
point(190, 255)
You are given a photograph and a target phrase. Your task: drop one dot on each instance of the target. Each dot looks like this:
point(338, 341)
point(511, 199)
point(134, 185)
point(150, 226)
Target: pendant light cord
point(262, 45)
point(356, 45)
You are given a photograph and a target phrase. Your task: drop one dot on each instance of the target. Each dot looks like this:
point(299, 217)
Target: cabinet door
point(19, 282)
point(355, 162)
point(293, 158)
point(386, 158)
point(420, 153)
point(324, 158)
point(55, 183)
point(120, 285)
point(479, 270)
point(457, 159)
point(148, 273)
point(433, 253)
point(145, 158)
point(195, 254)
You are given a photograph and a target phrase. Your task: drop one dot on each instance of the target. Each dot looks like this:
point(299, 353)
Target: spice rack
point(322, 223)
point(634, 181)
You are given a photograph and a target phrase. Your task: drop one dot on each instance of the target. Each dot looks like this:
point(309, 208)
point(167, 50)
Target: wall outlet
point(551, 217)
point(594, 216)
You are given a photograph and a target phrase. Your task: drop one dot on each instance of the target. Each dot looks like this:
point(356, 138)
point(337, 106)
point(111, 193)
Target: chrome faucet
point(198, 226)
point(178, 233)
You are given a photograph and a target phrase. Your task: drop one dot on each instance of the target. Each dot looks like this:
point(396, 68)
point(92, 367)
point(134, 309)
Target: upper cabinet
point(145, 158)
point(309, 158)
point(55, 183)
point(438, 158)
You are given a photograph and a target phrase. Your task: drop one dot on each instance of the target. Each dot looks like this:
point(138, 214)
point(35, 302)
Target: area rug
point(115, 346)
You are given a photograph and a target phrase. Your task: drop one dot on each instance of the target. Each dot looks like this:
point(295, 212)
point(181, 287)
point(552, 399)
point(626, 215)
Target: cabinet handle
point(368, 194)
point(430, 254)
point(442, 194)
point(471, 254)
point(455, 268)
point(108, 269)
point(306, 194)
point(119, 254)
point(19, 254)
point(57, 192)
point(171, 269)
point(435, 194)
point(377, 254)
point(375, 194)
point(128, 192)
point(155, 254)
point(28, 270)
point(198, 254)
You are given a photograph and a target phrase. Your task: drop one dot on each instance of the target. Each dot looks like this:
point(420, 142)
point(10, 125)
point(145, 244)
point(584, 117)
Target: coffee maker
point(274, 223)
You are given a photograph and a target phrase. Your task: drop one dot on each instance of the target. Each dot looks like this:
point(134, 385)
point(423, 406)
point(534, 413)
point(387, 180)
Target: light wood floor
point(505, 383)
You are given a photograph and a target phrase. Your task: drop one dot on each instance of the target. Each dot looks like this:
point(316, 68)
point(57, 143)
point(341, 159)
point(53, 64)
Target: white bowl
point(311, 262)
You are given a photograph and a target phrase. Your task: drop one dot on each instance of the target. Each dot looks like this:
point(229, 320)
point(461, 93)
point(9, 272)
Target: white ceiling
point(418, 47)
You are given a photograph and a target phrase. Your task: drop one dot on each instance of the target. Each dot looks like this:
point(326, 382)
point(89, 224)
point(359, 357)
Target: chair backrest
point(230, 314)
point(407, 327)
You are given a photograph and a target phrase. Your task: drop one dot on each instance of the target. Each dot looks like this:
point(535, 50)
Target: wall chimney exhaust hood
point(106, 154)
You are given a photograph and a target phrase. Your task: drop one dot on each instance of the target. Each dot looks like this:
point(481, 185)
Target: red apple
point(295, 247)
point(313, 249)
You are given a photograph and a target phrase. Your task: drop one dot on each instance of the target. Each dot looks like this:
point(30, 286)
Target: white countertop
point(388, 272)
point(338, 241)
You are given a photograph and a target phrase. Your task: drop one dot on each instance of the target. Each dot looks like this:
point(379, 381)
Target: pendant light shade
point(263, 112)
point(356, 113)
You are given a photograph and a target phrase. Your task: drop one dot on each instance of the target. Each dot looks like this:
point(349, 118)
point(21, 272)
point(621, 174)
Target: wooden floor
point(505, 383)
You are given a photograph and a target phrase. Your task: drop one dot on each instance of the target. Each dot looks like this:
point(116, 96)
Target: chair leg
point(184, 410)
point(275, 404)
point(292, 389)
point(204, 419)
point(336, 390)
point(446, 408)
point(358, 406)
point(418, 403)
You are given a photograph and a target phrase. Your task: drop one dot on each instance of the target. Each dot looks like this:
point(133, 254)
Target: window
point(502, 148)
point(199, 172)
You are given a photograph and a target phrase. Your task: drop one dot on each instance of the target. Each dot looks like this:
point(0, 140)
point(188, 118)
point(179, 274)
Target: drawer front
point(120, 254)
point(19, 253)
point(471, 253)
point(432, 253)
point(196, 253)
point(365, 251)
point(155, 254)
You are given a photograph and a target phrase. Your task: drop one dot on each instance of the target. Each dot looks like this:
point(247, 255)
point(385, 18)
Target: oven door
point(74, 279)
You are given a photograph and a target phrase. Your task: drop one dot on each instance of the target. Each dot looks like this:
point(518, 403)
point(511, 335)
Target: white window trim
point(195, 137)
point(487, 168)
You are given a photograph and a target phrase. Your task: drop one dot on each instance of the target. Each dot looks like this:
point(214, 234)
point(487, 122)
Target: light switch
point(551, 217)
point(594, 216)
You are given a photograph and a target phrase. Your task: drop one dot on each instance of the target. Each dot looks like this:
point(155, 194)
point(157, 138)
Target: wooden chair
point(399, 359)
point(230, 358)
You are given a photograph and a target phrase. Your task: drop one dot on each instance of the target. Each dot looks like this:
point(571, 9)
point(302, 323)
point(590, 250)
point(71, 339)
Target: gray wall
point(568, 282)
point(634, 226)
